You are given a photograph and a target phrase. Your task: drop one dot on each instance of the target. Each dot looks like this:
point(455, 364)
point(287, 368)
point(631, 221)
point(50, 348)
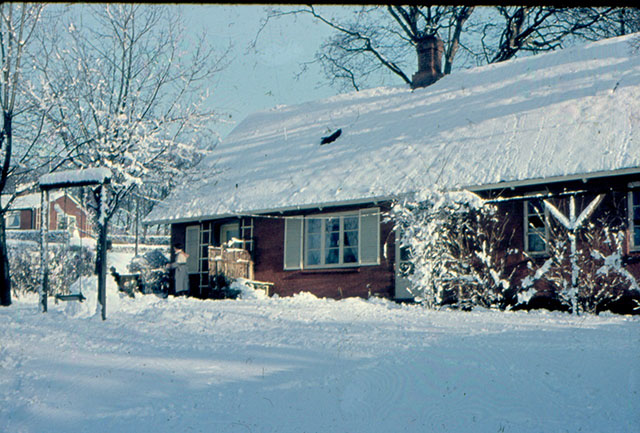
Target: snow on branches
point(460, 253)
point(584, 269)
point(453, 240)
point(128, 96)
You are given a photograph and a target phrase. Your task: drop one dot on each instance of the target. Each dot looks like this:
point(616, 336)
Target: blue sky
point(262, 78)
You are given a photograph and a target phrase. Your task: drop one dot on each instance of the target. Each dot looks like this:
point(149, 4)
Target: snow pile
point(569, 112)
point(299, 364)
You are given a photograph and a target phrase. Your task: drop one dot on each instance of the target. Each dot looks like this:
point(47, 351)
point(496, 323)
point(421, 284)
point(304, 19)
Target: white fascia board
point(368, 200)
point(546, 180)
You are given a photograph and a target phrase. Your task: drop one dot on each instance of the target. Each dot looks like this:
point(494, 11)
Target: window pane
point(313, 241)
point(351, 239)
point(350, 255)
point(636, 197)
point(331, 256)
point(313, 257)
point(534, 206)
point(536, 243)
point(14, 220)
point(636, 214)
point(636, 236)
point(536, 221)
point(314, 225)
point(351, 223)
point(332, 240)
point(333, 225)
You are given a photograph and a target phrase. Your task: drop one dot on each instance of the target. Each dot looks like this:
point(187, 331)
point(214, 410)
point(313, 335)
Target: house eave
point(374, 200)
point(279, 210)
point(554, 179)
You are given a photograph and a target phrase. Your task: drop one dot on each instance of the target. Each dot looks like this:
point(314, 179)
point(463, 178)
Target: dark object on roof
point(331, 138)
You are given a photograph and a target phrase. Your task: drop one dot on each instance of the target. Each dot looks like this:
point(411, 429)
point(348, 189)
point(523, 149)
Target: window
point(634, 218)
point(66, 222)
point(228, 232)
point(535, 227)
point(13, 220)
point(332, 240)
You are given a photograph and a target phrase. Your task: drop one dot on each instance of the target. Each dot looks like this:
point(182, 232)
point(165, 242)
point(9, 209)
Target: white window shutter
point(293, 243)
point(370, 236)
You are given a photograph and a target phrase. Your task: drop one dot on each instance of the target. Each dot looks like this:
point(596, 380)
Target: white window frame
point(324, 218)
point(12, 214)
point(634, 187)
point(295, 240)
point(526, 228)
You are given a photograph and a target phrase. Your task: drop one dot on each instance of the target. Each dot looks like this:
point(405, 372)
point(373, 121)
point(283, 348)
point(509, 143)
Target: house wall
point(26, 219)
point(70, 207)
point(268, 256)
point(612, 211)
point(361, 281)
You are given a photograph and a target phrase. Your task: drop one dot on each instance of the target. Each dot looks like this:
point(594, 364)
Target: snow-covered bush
point(66, 263)
point(454, 240)
point(53, 236)
point(589, 274)
point(152, 268)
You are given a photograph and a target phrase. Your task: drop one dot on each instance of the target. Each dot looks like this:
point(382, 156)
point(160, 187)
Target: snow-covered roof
point(564, 113)
point(69, 178)
point(30, 201)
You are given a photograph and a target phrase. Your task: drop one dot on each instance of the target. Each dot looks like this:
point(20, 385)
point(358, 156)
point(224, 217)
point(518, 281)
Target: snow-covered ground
point(304, 364)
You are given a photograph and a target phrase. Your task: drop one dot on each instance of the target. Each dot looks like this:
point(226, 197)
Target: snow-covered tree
point(129, 92)
point(454, 241)
point(21, 134)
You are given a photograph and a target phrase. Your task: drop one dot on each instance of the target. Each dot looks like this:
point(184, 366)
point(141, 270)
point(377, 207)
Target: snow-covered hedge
point(53, 236)
point(145, 240)
point(66, 263)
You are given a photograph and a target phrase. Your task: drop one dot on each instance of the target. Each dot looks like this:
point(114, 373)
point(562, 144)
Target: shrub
point(152, 268)
point(66, 263)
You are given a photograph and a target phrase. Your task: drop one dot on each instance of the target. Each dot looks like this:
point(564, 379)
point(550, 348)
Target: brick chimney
point(429, 52)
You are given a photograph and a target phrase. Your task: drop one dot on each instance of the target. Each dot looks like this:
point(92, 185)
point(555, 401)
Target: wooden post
point(137, 224)
point(44, 227)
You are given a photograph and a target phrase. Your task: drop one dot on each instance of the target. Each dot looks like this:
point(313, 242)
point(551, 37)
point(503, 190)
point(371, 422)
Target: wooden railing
point(230, 262)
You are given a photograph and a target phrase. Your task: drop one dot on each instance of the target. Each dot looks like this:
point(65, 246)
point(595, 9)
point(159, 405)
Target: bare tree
point(536, 28)
point(18, 139)
point(387, 38)
point(380, 41)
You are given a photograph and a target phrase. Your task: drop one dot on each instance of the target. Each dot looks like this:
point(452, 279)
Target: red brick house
point(312, 212)
point(65, 213)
